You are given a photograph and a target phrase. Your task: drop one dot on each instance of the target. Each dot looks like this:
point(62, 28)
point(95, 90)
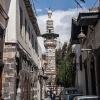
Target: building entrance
point(86, 77)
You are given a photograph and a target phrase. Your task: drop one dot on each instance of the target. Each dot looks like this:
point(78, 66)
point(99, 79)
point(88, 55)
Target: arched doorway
point(93, 77)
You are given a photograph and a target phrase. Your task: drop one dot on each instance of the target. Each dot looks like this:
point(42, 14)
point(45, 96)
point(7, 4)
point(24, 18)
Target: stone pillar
point(9, 71)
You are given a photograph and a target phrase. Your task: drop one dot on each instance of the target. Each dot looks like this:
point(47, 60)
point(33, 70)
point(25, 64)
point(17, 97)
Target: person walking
point(53, 96)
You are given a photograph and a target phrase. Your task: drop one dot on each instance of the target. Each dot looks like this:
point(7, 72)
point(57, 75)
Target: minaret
point(50, 43)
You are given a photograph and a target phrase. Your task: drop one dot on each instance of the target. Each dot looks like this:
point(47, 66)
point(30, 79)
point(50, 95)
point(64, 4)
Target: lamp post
point(81, 37)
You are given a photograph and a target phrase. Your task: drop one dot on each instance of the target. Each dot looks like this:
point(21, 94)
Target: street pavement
point(47, 99)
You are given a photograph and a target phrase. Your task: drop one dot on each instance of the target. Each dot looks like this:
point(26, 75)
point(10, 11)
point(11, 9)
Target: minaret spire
point(50, 27)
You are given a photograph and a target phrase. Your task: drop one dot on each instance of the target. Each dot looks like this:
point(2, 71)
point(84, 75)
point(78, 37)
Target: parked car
point(71, 96)
point(86, 98)
point(69, 93)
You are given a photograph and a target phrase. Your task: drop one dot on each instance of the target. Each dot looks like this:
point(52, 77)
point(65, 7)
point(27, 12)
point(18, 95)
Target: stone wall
point(17, 77)
point(9, 71)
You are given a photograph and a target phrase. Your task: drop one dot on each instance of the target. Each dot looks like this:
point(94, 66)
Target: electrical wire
point(94, 4)
point(79, 4)
point(34, 6)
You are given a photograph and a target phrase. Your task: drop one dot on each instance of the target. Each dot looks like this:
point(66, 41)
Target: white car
point(86, 98)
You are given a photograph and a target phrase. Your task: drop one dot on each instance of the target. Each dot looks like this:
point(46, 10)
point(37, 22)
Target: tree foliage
point(65, 69)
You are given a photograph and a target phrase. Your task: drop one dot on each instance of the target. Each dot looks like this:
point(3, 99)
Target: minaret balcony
point(50, 43)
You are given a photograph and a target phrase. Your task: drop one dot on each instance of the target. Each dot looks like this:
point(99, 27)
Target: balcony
point(50, 43)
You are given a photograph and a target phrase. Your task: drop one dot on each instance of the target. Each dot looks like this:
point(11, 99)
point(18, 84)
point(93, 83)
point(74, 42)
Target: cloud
point(38, 10)
point(62, 24)
point(47, 9)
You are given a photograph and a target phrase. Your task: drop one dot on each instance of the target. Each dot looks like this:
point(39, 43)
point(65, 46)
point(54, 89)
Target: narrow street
point(47, 99)
point(49, 51)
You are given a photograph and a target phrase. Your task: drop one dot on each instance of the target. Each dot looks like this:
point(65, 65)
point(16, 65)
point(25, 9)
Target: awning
point(84, 20)
point(88, 18)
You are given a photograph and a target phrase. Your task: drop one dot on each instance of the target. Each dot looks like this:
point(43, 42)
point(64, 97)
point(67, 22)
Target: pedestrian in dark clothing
point(53, 96)
point(50, 94)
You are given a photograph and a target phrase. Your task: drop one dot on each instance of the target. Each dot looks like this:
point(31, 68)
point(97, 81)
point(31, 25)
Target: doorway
point(98, 73)
point(86, 77)
point(93, 77)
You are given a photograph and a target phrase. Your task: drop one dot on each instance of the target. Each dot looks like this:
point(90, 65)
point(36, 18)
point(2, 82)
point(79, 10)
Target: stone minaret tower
point(50, 43)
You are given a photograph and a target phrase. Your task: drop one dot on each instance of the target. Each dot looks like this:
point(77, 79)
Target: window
point(32, 40)
point(25, 30)
point(36, 47)
point(29, 32)
point(21, 20)
point(80, 60)
point(29, 36)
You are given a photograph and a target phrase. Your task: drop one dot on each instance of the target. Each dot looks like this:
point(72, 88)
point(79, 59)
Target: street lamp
point(81, 37)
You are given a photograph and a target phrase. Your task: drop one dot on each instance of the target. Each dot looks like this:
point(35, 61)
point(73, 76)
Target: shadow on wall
point(8, 6)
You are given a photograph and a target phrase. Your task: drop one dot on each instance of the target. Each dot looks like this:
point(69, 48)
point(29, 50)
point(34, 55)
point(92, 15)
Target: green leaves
point(65, 69)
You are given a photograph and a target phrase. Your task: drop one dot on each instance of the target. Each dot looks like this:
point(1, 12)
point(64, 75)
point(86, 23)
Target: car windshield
point(71, 92)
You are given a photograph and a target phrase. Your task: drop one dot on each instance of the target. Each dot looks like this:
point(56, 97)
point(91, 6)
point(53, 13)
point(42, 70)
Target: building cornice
point(32, 16)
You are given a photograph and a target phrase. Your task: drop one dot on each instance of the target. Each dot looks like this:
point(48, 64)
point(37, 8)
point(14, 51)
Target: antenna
point(33, 7)
point(79, 5)
point(77, 9)
point(95, 4)
point(99, 5)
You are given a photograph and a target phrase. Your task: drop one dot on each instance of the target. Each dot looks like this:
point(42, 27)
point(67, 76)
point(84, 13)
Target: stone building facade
point(22, 53)
point(3, 24)
point(88, 79)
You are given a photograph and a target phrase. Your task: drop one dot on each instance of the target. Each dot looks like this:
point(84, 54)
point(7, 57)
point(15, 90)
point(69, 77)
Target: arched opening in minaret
point(49, 31)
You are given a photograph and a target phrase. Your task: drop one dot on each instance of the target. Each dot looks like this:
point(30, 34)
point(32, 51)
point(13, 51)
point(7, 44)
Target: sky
point(62, 13)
